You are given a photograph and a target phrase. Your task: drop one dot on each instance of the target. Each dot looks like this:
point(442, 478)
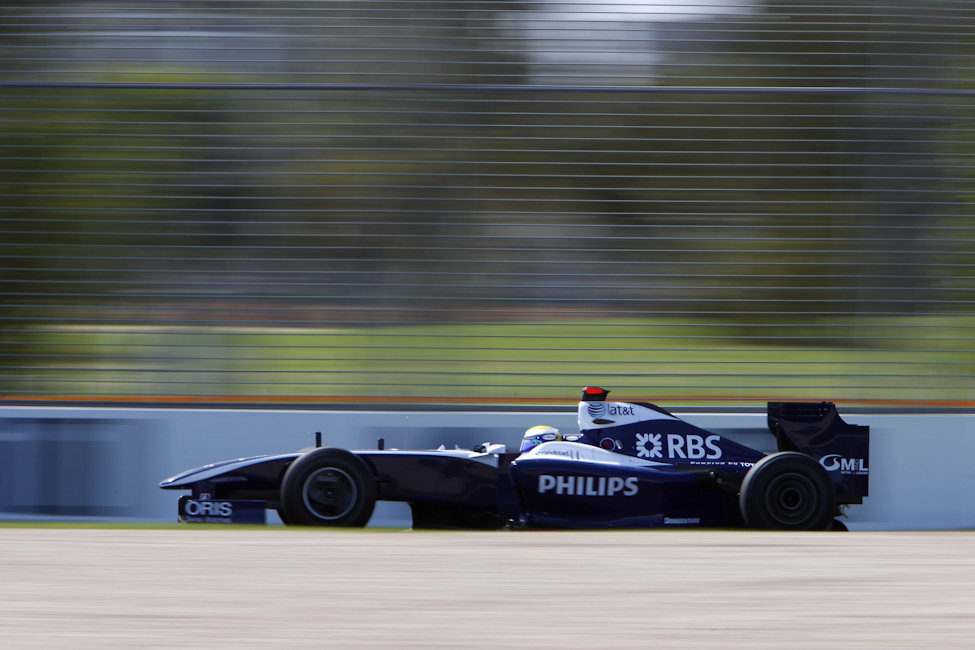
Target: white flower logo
point(648, 445)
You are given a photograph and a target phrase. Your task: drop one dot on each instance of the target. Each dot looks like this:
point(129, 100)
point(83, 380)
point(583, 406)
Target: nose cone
point(184, 480)
point(181, 480)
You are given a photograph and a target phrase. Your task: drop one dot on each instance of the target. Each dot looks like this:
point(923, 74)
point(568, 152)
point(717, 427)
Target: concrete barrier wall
point(106, 463)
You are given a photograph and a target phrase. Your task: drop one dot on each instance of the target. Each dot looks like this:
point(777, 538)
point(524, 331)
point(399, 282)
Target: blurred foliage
point(661, 361)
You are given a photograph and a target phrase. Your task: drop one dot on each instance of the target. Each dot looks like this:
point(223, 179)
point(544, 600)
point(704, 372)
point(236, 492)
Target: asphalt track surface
point(202, 588)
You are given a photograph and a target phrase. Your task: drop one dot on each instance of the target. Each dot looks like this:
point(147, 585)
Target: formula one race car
point(632, 464)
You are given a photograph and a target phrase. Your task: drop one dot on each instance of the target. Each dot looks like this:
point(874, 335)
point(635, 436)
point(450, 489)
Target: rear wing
point(816, 429)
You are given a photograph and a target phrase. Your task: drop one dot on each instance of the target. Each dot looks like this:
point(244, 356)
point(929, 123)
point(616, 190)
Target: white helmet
point(539, 434)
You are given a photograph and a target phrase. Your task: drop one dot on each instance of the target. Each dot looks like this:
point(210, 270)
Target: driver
point(537, 435)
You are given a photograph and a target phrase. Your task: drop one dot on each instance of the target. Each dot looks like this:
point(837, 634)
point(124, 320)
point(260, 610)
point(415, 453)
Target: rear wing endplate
point(816, 429)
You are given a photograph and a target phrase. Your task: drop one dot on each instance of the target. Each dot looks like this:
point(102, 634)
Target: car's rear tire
point(328, 487)
point(788, 491)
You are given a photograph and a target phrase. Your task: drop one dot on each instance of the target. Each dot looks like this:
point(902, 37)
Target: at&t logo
point(602, 409)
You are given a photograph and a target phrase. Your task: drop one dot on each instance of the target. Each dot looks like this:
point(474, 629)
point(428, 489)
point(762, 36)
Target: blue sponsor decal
point(213, 511)
point(589, 486)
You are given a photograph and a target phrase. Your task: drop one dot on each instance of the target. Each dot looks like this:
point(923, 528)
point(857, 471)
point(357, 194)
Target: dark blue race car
point(632, 464)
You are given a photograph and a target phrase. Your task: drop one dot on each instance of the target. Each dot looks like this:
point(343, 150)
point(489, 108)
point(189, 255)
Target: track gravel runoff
point(206, 587)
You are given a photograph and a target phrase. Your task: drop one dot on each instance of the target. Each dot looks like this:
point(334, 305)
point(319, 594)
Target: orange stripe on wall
point(433, 401)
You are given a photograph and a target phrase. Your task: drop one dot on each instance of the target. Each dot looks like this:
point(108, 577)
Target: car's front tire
point(788, 491)
point(328, 487)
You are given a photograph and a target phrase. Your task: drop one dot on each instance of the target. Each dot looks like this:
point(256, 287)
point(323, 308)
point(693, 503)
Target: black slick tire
point(328, 487)
point(788, 491)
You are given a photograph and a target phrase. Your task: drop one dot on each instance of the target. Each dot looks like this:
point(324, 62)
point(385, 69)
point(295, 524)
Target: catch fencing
point(698, 203)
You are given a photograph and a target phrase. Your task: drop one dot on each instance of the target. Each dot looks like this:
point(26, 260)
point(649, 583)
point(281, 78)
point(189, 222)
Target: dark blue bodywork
point(634, 465)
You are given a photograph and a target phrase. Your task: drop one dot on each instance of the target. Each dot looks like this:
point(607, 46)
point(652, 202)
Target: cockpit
point(543, 433)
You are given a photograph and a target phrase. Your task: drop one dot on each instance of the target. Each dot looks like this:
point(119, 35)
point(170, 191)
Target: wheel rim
point(329, 493)
point(791, 498)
